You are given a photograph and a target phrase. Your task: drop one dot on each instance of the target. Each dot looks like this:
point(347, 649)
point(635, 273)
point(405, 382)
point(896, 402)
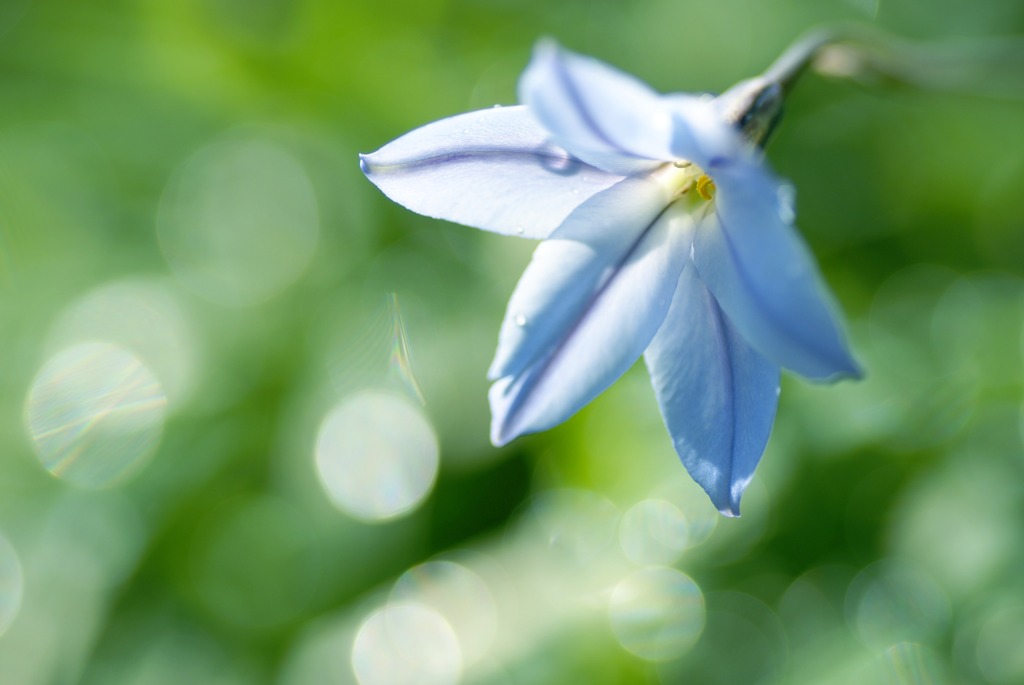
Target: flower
point(663, 235)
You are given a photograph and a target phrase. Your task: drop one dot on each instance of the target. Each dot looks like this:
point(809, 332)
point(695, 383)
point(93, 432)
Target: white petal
point(717, 395)
point(765, 279)
point(701, 134)
point(608, 337)
point(598, 113)
point(570, 267)
point(494, 169)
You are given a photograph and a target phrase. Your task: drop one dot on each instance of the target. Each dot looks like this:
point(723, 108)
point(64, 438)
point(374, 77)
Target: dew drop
point(465, 131)
point(497, 107)
point(363, 165)
point(558, 161)
point(520, 230)
point(520, 319)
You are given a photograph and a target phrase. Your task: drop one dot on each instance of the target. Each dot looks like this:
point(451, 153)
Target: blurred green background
point(243, 400)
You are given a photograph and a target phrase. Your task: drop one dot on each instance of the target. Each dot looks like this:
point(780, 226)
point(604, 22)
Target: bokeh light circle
point(12, 584)
point(742, 641)
point(577, 526)
point(239, 221)
point(571, 538)
point(909, 663)
point(376, 455)
point(952, 521)
point(461, 596)
point(890, 602)
point(653, 532)
point(94, 412)
point(684, 494)
point(998, 651)
point(657, 613)
point(144, 316)
point(811, 608)
point(406, 644)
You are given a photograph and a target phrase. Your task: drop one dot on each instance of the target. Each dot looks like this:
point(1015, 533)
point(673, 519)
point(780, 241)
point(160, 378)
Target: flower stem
point(872, 57)
point(798, 56)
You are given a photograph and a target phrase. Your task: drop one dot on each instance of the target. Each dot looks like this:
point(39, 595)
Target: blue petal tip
point(731, 508)
point(851, 371)
point(499, 438)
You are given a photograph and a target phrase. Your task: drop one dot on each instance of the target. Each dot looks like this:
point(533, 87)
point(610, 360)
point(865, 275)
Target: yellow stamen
point(683, 178)
point(705, 187)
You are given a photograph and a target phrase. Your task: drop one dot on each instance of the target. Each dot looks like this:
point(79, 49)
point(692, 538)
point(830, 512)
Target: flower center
point(705, 187)
point(686, 179)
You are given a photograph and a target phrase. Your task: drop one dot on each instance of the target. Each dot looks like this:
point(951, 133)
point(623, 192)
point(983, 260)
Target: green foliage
point(179, 180)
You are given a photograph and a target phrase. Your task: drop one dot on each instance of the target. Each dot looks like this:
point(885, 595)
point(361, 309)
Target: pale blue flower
point(664, 235)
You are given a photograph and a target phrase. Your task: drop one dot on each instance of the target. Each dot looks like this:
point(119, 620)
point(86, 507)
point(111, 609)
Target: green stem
point(792, 63)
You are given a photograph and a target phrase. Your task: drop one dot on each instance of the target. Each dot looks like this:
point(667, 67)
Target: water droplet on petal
point(520, 319)
point(520, 230)
point(787, 202)
point(558, 161)
point(497, 107)
point(465, 131)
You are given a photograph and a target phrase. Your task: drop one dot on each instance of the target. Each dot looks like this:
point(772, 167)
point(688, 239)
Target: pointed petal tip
point(848, 370)
point(545, 51)
point(499, 435)
point(857, 371)
point(728, 503)
point(729, 506)
point(854, 373)
point(495, 370)
point(545, 46)
point(848, 367)
point(364, 163)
